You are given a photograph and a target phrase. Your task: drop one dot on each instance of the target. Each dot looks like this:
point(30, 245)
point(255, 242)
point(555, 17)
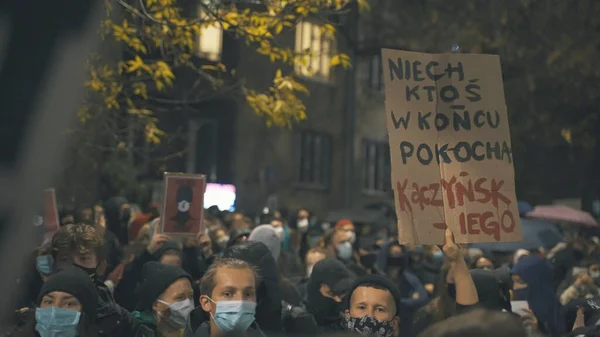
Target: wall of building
point(370, 127)
point(266, 159)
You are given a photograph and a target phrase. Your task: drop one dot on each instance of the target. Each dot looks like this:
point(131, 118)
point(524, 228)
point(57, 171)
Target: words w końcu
point(450, 148)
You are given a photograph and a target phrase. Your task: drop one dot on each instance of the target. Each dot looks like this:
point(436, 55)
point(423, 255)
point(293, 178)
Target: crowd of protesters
point(110, 272)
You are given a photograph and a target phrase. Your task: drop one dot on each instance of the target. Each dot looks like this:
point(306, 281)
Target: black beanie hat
point(379, 282)
point(157, 278)
point(76, 282)
point(169, 245)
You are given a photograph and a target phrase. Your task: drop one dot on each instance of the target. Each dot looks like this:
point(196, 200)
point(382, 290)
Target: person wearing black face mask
point(393, 260)
point(426, 271)
point(369, 261)
point(329, 282)
point(367, 255)
point(374, 309)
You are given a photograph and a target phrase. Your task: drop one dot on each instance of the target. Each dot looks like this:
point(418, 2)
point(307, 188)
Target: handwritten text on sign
point(450, 147)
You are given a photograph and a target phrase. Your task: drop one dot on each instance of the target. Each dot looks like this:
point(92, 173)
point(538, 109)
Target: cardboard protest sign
point(450, 148)
point(51, 221)
point(183, 203)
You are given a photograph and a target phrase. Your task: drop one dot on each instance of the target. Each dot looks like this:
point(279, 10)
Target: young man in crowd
point(374, 305)
point(337, 243)
point(228, 301)
point(313, 256)
point(81, 245)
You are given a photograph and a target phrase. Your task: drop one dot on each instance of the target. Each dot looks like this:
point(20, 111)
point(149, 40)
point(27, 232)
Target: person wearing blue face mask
point(165, 300)
point(66, 307)
point(45, 265)
point(227, 301)
point(337, 243)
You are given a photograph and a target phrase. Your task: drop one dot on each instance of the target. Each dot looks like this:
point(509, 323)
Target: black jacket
point(114, 251)
point(112, 211)
point(125, 291)
point(289, 292)
point(112, 320)
point(297, 320)
point(268, 295)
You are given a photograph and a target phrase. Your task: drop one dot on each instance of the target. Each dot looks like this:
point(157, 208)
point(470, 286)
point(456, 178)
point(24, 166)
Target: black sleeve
point(289, 292)
point(298, 321)
point(114, 251)
point(422, 320)
point(125, 290)
point(194, 262)
point(129, 325)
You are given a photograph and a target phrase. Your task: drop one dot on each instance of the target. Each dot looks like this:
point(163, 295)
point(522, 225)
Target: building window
point(311, 39)
point(375, 73)
point(209, 42)
point(314, 159)
point(377, 166)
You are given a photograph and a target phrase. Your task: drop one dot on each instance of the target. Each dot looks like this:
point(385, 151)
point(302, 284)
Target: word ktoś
point(483, 191)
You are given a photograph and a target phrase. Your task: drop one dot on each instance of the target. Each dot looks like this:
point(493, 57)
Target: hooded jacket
point(268, 295)
point(408, 284)
point(267, 235)
point(112, 211)
point(492, 294)
point(538, 275)
point(326, 311)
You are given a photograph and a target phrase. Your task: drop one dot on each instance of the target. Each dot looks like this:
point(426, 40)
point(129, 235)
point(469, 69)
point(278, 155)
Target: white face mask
point(351, 237)
point(179, 312)
point(183, 206)
point(303, 224)
point(344, 251)
point(279, 232)
point(595, 274)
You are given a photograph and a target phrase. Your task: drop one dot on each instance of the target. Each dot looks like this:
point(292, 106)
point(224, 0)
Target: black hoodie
point(114, 223)
point(268, 294)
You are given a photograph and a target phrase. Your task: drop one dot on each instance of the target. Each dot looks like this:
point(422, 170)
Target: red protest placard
point(50, 211)
point(183, 203)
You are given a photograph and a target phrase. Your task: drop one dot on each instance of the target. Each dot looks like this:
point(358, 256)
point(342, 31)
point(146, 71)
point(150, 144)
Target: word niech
point(417, 72)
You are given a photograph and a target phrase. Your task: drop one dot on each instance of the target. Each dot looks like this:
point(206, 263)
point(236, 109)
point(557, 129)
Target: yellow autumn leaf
point(566, 134)
point(136, 64)
point(278, 28)
point(335, 61)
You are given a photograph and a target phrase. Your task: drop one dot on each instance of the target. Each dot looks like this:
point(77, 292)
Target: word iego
point(487, 223)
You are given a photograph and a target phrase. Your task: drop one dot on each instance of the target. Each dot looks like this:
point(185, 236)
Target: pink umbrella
point(562, 213)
